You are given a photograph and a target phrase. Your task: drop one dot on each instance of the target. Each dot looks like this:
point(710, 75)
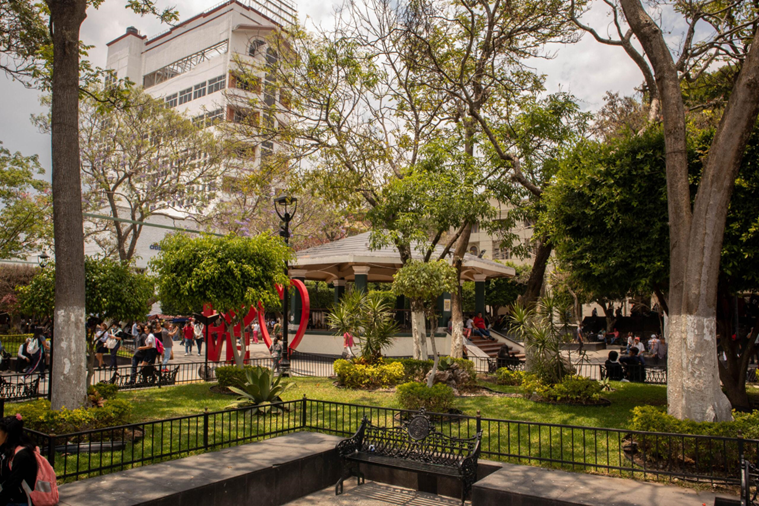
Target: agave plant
point(261, 390)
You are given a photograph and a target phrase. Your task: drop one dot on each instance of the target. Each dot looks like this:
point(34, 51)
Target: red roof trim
point(143, 37)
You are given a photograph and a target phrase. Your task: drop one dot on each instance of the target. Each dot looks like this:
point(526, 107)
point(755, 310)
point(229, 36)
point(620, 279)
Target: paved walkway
point(374, 494)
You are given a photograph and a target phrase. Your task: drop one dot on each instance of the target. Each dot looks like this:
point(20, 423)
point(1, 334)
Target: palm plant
point(368, 318)
point(261, 390)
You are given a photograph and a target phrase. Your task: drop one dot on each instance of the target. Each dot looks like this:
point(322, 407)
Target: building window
point(254, 47)
point(200, 91)
point(171, 100)
point(216, 84)
point(185, 96)
point(475, 228)
point(473, 250)
point(213, 117)
point(243, 82)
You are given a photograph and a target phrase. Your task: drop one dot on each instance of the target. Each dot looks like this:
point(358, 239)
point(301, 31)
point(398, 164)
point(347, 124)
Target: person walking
point(113, 344)
point(276, 352)
point(100, 337)
point(140, 351)
point(189, 338)
point(19, 465)
point(167, 338)
point(198, 329)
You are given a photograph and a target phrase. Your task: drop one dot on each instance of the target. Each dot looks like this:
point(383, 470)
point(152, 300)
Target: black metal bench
point(414, 446)
point(148, 376)
point(20, 390)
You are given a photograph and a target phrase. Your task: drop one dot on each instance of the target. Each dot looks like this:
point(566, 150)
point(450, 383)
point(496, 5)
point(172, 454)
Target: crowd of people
point(154, 342)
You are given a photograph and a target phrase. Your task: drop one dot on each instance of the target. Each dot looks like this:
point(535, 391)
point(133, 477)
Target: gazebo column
point(339, 285)
point(479, 293)
point(295, 302)
point(444, 314)
point(361, 277)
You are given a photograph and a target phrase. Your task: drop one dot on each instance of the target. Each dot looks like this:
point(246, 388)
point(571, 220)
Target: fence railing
point(616, 452)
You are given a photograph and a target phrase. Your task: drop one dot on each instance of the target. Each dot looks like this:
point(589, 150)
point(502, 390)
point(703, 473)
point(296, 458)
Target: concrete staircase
point(490, 348)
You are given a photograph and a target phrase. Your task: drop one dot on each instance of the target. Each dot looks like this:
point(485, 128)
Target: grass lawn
point(155, 403)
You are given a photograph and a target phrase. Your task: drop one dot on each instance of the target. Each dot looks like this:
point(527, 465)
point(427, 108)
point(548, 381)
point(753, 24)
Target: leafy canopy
point(424, 282)
point(230, 272)
point(113, 291)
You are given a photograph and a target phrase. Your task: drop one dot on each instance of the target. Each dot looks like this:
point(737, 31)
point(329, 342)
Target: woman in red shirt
point(480, 328)
point(189, 338)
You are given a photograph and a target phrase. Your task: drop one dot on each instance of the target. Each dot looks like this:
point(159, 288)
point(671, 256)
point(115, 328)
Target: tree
point(25, 206)
point(608, 214)
point(423, 283)
point(232, 273)
point(716, 32)
point(114, 292)
point(141, 160)
point(42, 45)
point(504, 292)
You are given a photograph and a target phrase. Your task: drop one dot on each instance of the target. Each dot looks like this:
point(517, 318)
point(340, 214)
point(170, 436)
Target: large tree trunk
point(611, 320)
point(69, 380)
point(693, 386)
point(535, 283)
point(435, 356)
point(457, 304)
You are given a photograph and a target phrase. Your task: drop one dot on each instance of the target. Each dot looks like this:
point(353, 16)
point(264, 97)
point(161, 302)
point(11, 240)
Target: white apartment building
point(488, 245)
point(192, 67)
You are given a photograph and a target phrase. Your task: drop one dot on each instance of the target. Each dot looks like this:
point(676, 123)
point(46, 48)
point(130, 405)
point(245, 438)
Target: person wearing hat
point(653, 343)
point(640, 346)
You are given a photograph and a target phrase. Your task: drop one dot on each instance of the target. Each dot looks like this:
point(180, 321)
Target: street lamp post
point(42, 259)
point(281, 206)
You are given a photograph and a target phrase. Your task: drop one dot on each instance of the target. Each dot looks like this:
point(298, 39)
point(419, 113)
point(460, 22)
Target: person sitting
point(614, 371)
point(634, 366)
point(468, 327)
point(661, 349)
point(640, 346)
point(481, 328)
point(612, 337)
point(506, 356)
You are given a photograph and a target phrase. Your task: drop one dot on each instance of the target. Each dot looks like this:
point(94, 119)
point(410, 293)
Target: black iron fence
point(617, 452)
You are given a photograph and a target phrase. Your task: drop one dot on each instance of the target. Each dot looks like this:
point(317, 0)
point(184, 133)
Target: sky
point(586, 69)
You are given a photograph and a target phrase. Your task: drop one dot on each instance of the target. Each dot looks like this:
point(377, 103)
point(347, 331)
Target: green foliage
point(678, 450)
point(542, 338)
point(367, 376)
point(413, 369)
point(106, 391)
point(38, 416)
point(261, 388)
point(113, 291)
point(320, 294)
point(571, 389)
point(505, 376)
point(424, 282)
point(436, 399)
point(368, 318)
point(463, 363)
point(229, 375)
point(230, 272)
point(26, 220)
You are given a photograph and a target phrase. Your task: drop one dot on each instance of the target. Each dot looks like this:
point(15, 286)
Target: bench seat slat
point(410, 465)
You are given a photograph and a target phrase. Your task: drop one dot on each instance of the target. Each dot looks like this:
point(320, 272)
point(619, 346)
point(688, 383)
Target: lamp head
point(42, 258)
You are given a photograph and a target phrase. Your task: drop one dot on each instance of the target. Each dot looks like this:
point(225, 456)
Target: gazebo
point(351, 260)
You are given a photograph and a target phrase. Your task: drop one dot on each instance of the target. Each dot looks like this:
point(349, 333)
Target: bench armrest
point(352, 444)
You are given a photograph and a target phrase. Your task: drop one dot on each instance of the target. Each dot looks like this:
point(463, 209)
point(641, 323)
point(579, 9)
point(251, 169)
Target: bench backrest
point(418, 440)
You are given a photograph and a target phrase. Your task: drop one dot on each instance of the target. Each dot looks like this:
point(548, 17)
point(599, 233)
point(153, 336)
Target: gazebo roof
point(336, 260)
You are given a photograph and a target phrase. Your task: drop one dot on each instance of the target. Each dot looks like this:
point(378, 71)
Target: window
point(254, 47)
point(247, 83)
point(475, 228)
point(216, 84)
point(200, 91)
point(171, 100)
point(110, 78)
point(213, 117)
point(185, 96)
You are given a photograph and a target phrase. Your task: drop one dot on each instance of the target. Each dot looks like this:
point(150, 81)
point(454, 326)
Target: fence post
point(51, 449)
point(478, 421)
point(303, 413)
point(2, 407)
point(205, 429)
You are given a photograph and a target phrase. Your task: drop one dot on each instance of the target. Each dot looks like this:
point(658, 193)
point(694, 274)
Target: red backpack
point(45, 491)
point(159, 345)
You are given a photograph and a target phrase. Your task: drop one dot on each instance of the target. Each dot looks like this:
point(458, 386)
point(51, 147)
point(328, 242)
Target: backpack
point(159, 345)
point(32, 346)
point(45, 491)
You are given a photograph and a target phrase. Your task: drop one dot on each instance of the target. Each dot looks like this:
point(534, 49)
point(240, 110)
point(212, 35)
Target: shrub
point(231, 375)
point(505, 376)
point(703, 454)
point(261, 388)
point(103, 390)
point(413, 395)
point(413, 369)
point(38, 416)
point(572, 389)
point(362, 375)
